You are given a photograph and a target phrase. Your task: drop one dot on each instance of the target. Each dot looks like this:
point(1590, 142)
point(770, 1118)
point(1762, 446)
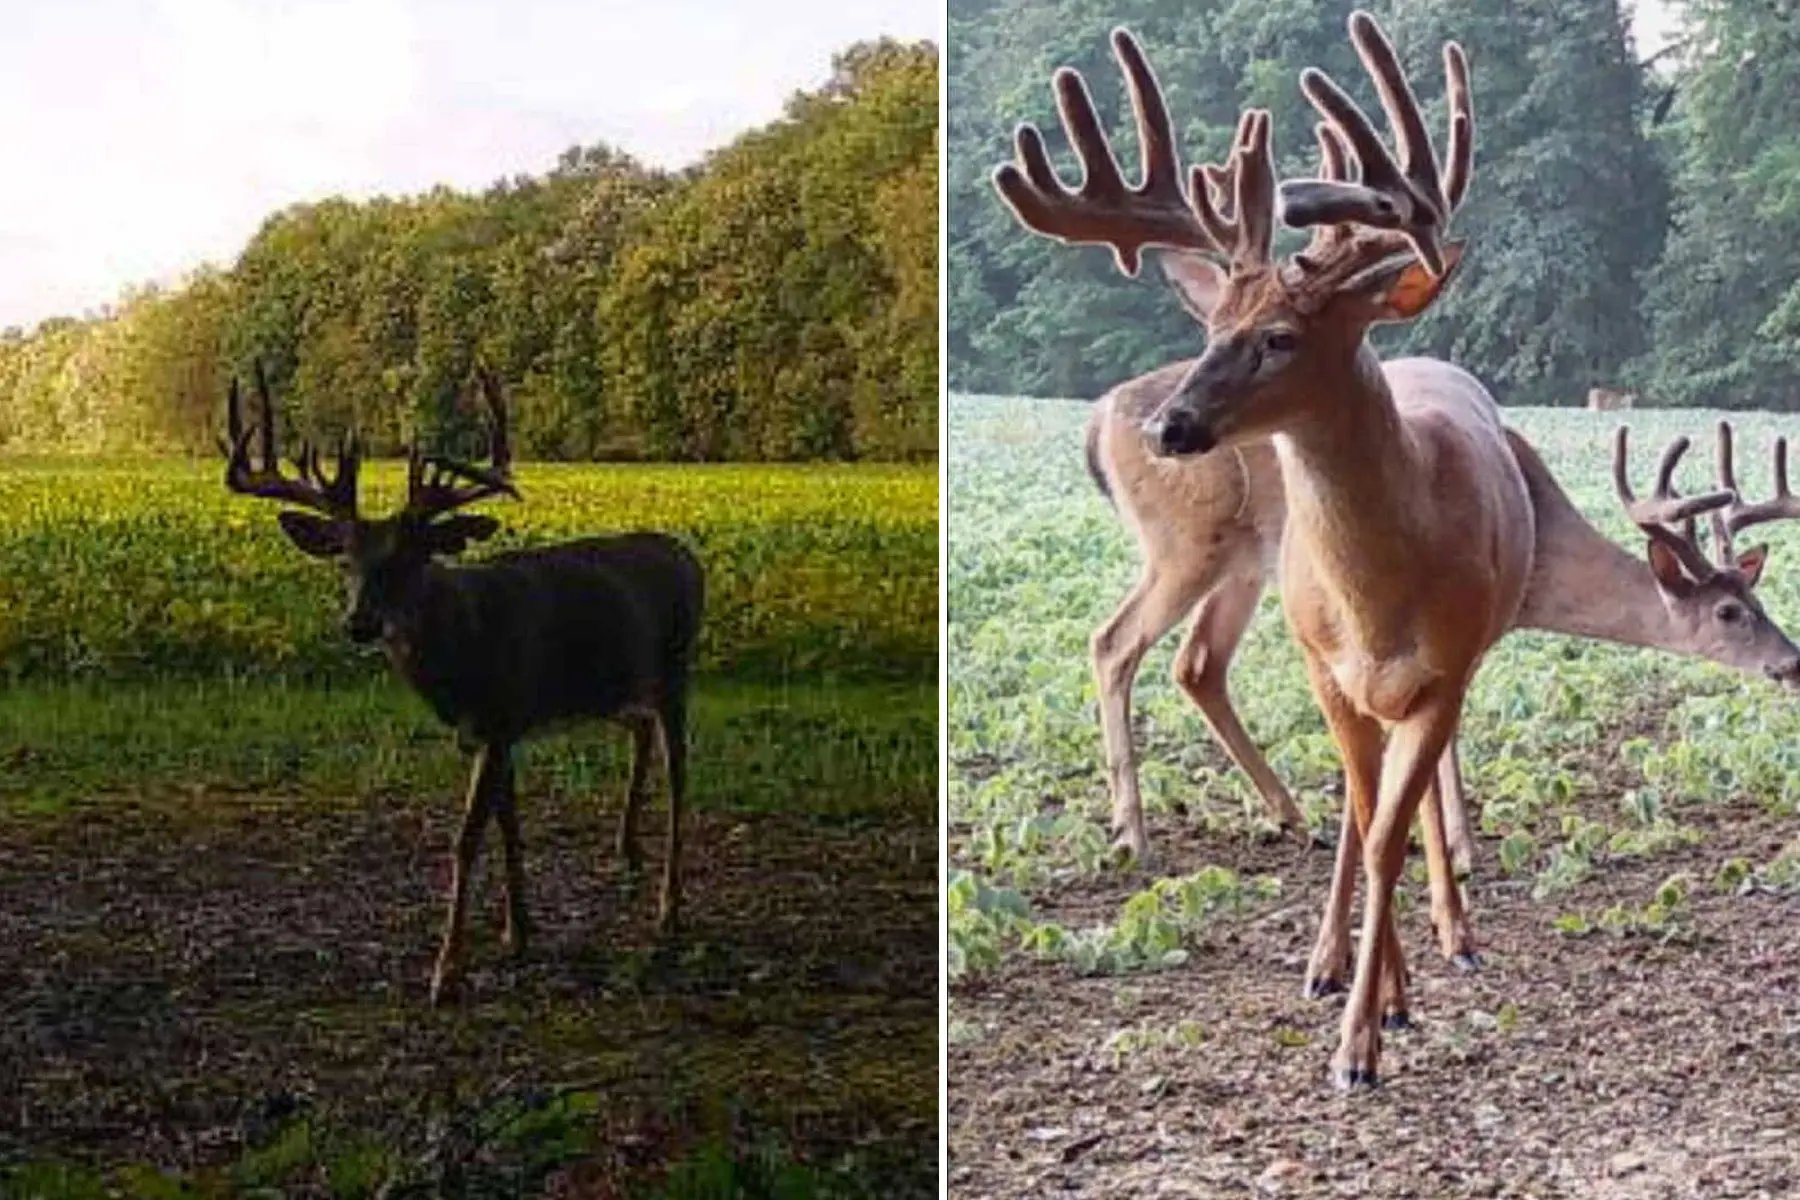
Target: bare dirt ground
point(179, 976)
point(1568, 1067)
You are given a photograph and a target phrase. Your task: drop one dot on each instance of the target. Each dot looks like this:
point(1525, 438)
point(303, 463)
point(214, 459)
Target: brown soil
point(1594, 1067)
point(180, 975)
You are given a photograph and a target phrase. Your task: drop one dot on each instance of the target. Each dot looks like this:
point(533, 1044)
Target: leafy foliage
point(776, 302)
point(1567, 214)
point(152, 570)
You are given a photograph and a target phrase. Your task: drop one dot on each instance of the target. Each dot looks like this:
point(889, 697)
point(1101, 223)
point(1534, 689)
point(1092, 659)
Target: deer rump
point(529, 640)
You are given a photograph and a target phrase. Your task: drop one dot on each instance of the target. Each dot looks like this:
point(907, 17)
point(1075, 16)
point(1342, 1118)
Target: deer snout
point(1177, 432)
point(1787, 674)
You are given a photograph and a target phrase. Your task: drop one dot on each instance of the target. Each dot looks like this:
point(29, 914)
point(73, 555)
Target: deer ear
point(1666, 566)
point(313, 535)
point(1399, 287)
point(1750, 563)
point(1196, 280)
point(453, 534)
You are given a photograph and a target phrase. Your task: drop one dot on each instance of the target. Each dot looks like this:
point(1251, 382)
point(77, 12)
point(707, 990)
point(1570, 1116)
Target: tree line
point(1634, 220)
point(777, 301)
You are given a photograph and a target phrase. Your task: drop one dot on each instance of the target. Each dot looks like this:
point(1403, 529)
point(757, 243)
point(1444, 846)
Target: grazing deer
point(1410, 529)
point(500, 650)
point(1607, 400)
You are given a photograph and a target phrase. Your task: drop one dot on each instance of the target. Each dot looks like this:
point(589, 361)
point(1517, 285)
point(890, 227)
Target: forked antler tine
point(1103, 210)
point(1255, 189)
point(1782, 505)
point(1459, 161)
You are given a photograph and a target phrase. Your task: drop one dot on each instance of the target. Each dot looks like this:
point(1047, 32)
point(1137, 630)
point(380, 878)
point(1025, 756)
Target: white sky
point(144, 137)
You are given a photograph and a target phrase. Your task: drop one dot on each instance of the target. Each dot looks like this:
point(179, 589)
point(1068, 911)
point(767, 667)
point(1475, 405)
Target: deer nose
point(1786, 673)
point(1179, 432)
point(362, 627)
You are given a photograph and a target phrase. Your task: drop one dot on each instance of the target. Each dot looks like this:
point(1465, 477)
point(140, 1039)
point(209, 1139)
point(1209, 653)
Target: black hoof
point(1466, 962)
point(1355, 1079)
point(1318, 989)
point(1396, 1020)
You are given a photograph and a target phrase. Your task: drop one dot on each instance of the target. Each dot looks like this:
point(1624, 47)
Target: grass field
point(1633, 1030)
point(223, 853)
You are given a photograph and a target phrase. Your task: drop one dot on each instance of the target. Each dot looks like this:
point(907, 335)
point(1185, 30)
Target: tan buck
point(1607, 400)
point(1410, 527)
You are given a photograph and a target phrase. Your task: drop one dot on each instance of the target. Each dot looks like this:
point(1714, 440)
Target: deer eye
point(1280, 341)
point(1730, 612)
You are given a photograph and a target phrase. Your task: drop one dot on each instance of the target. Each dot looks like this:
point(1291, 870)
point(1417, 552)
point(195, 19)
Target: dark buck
point(602, 627)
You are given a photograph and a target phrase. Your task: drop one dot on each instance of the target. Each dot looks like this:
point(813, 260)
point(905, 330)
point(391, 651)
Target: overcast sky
point(144, 137)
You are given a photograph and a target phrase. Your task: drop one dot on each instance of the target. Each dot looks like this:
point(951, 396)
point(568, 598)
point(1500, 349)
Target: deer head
point(1712, 601)
point(384, 559)
point(1274, 330)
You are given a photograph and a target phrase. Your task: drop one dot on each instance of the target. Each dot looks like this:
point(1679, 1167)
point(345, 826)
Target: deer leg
point(673, 724)
point(1201, 667)
point(506, 815)
point(1413, 749)
point(1455, 801)
point(468, 844)
point(1118, 646)
point(1359, 740)
point(1448, 917)
point(643, 729)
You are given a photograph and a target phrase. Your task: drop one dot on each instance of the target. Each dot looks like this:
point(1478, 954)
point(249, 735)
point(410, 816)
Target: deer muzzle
point(1787, 674)
point(1178, 431)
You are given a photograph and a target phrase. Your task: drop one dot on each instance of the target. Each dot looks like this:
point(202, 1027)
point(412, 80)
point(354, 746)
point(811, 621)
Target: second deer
point(502, 649)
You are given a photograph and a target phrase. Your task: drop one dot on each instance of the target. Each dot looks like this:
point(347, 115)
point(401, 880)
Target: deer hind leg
point(673, 723)
point(1201, 667)
point(480, 803)
point(1151, 610)
point(1359, 740)
point(1413, 749)
point(643, 732)
point(1455, 802)
point(506, 815)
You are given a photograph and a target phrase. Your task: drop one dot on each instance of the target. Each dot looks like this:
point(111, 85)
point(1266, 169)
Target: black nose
point(362, 627)
point(1180, 432)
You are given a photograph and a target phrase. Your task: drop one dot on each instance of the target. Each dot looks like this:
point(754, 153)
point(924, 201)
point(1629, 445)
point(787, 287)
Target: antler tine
point(1657, 515)
point(431, 487)
point(264, 479)
point(1740, 516)
point(1103, 210)
point(1409, 197)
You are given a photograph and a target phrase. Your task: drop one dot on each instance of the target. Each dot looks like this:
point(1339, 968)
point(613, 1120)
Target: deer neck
point(1585, 584)
point(1353, 490)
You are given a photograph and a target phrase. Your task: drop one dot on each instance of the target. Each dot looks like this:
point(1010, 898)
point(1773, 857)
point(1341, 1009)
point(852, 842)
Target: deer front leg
point(468, 844)
point(1201, 667)
point(1118, 647)
point(518, 922)
point(674, 738)
point(1411, 757)
point(1359, 740)
point(643, 729)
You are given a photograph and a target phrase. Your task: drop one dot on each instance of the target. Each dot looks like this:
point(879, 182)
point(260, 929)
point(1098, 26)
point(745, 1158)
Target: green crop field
point(223, 852)
point(1111, 1026)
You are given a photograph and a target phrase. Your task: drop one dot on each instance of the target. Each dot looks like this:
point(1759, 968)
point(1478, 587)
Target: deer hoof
point(1466, 961)
point(1321, 986)
point(1398, 1019)
point(1354, 1079)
